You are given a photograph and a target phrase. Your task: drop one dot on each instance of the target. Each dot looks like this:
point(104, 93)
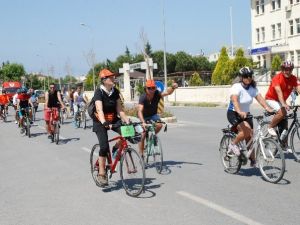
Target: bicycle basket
point(127, 131)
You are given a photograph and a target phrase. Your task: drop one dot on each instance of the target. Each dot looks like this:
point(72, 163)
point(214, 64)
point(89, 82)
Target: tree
point(148, 49)
point(196, 80)
point(276, 63)
point(12, 72)
point(184, 62)
point(216, 78)
point(201, 63)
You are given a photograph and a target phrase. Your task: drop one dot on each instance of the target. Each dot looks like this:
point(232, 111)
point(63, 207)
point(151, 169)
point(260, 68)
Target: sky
point(43, 34)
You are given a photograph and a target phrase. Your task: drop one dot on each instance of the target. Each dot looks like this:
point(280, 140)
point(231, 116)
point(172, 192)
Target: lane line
point(219, 208)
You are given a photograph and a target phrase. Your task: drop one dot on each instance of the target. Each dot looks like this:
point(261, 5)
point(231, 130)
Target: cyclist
point(80, 100)
point(279, 90)
point(52, 100)
point(23, 104)
point(34, 100)
point(108, 108)
point(241, 97)
point(15, 104)
point(147, 107)
point(71, 99)
point(4, 101)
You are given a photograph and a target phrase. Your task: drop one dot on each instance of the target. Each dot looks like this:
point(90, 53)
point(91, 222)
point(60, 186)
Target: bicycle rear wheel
point(94, 157)
point(272, 166)
point(158, 155)
point(231, 162)
point(132, 172)
point(28, 127)
point(84, 120)
point(295, 143)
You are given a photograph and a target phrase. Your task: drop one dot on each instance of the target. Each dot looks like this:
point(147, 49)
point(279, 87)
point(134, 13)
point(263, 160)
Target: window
point(258, 59)
point(297, 1)
point(297, 25)
point(257, 7)
point(298, 57)
point(263, 35)
point(278, 4)
point(291, 2)
point(273, 5)
point(292, 57)
point(273, 31)
point(262, 5)
point(291, 27)
point(278, 29)
point(257, 35)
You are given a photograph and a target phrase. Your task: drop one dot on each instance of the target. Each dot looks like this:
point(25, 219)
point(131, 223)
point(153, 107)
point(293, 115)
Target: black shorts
point(234, 119)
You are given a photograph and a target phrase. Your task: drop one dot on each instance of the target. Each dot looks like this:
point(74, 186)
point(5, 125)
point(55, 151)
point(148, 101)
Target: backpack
point(91, 109)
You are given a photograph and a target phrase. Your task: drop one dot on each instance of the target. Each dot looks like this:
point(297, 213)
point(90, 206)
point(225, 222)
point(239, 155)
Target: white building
point(275, 30)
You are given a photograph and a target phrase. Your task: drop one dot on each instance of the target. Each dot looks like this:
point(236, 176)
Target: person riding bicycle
point(52, 101)
point(279, 90)
point(4, 101)
point(15, 105)
point(80, 100)
point(34, 100)
point(148, 105)
point(241, 97)
point(71, 99)
point(23, 104)
point(108, 108)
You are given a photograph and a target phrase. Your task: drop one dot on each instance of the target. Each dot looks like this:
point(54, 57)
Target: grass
point(196, 104)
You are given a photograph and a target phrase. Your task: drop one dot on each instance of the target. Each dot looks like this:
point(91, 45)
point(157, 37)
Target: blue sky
point(40, 33)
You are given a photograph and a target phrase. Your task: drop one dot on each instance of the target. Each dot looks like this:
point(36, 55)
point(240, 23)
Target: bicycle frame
point(113, 163)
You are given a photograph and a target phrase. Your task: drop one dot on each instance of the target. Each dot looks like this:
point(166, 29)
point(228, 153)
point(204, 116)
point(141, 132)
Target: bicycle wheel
point(33, 114)
point(231, 162)
point(295, 143)
point(84, 120)
point(94, 157)
point(272, 165)
point(61, 116)
point(56, 133)
point(158, 155)
point(149, 149)
point(28, 127)
point(132, 172)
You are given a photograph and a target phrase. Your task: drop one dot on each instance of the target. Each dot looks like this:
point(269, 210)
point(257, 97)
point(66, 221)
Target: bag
point(91, 109)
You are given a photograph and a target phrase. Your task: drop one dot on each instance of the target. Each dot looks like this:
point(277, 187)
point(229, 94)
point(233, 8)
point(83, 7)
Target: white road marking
point(86, 149)
point(219, 208)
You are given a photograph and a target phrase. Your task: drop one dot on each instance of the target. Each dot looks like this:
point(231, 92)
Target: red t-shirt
point(286, 84)
point(4, 99)
point(23, 97)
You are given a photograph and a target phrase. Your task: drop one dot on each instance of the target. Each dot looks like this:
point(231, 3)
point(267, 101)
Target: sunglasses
point(248, 77)
point(151, 88)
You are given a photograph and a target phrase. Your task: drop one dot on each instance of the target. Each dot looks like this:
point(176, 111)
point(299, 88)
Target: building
point(275, 30)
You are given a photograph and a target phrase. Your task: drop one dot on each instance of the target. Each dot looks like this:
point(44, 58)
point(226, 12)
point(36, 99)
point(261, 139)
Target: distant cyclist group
point(108, 111)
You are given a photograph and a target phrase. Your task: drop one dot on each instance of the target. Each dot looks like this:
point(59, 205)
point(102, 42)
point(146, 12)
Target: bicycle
point(26, 121)
point(80, 117)
point(54, 124)
point(153, 145)
point(294, 140)
point(3, 113)
point(265, 149)
point(132, 169)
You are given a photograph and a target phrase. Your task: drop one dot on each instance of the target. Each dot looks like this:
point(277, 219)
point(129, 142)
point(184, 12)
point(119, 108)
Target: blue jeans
point(154, 117)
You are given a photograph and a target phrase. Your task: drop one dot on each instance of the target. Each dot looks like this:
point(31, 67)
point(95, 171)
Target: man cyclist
point(15, 105)
point(23, 104)
point(279, 90)
point(241, 97)
point(4, 101)
point(34, 99)
point(148, 105)
point(80, 100)
point(52, 101)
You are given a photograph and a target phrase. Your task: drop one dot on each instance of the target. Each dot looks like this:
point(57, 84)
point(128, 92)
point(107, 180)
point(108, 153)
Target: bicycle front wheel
point(158, 155)
point(271, 160)
point(56, 133)
point(132, 172)
point(295, 143)
point(94, 157)
point(231, 162)
point(28, 128)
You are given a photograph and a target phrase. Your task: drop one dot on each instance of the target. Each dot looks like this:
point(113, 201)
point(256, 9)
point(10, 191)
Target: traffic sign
point(160, 86)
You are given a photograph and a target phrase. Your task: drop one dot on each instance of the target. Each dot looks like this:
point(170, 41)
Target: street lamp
point(92, 54)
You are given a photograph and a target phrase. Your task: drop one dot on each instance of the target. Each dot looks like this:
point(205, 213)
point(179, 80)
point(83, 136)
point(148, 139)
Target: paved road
point(44, 183)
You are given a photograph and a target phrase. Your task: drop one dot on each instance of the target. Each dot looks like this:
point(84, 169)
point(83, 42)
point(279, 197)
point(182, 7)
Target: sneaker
point(272, 132)
point(287, 149)
point(102, 179)
point(22, 131)
point(234, 148)
point(253, 163)
point(49, 136)
point(16, 122)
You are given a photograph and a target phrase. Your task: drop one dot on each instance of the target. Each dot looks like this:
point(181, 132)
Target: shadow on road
point(38, 134)
point(168, 164)
point(65, 141)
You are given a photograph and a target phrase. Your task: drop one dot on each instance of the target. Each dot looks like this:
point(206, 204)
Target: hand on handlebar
point(243, 115)
point(287, 107)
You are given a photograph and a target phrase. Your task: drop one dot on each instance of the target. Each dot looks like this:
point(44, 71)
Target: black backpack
point(91, 108)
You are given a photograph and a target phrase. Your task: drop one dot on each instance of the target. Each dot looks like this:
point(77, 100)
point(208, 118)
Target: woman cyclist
point(241, 97)
point(108, 108)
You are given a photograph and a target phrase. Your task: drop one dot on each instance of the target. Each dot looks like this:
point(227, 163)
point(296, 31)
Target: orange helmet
point(106, 73)
point(150, 83)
